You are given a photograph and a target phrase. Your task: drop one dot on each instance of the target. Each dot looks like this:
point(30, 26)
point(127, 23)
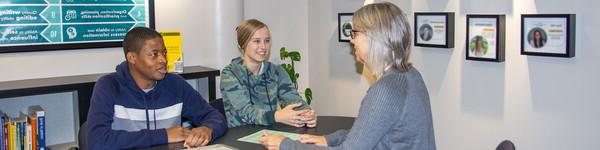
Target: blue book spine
point(22, 135)
point(41, 130)
point(19, 136)
point(2, 131)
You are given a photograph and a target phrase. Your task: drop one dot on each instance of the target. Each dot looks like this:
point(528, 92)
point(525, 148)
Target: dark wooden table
point(325, 125)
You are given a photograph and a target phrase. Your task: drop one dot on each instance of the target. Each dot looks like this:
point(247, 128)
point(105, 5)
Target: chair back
point(82, 137)
point(218, 104)
point(506, 145)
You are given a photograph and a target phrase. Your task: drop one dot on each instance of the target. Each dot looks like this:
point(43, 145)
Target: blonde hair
point(388, 34)
point(245, 30)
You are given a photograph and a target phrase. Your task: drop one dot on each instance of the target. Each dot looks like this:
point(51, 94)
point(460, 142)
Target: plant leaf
point(308, 95)
point(283, 53)
point(295, 55)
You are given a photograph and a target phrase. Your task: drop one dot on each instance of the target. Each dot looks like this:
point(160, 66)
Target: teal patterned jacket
point(253, 99)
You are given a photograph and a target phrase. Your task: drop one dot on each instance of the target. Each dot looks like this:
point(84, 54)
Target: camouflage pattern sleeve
point(287, 93)
point(236, 100)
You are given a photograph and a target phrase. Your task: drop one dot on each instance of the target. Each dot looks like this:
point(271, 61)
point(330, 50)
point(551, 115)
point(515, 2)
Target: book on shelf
point(38, 113)
point(20, 123)
point(2, 136)
point(32, 129)
point(25, 132)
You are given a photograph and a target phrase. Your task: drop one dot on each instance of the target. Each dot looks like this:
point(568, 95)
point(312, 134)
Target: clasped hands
point(296, 118)
point(199, 136)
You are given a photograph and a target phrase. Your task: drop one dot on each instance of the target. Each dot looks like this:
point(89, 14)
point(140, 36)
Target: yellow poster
point(174, 52)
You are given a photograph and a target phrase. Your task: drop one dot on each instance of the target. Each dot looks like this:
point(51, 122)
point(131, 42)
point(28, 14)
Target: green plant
point(294, 56)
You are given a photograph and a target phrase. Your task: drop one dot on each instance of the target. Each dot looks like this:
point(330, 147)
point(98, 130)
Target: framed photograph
point(344, 26)
point(434, 29)
point(548, 35)
point(485, 37)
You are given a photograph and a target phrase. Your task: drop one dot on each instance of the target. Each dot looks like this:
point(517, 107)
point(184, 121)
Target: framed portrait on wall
point(548, 35)
point(434, 29)
point(485, 37)
point(344, 26)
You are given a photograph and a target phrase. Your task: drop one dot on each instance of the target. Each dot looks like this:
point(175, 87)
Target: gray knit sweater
point(395, 114)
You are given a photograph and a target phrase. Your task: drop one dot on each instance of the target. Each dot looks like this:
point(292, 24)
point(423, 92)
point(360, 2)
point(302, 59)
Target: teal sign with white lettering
point(47, 22)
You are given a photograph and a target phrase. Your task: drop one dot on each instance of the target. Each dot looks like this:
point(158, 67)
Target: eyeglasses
point(353, 34)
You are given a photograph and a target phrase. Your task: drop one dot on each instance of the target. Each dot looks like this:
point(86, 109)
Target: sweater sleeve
point(201, 113)
point(333, 140)
point(287, 92)
point(336, 138)
point(99, 123)
point(237, 103)
point(288, 143)
point(377, 115)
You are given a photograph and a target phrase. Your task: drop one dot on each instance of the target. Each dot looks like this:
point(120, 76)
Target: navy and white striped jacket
point(122, 116)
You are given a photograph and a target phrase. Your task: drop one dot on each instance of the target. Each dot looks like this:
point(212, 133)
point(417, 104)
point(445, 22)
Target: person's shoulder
point(111, 78)
point(395, 79)
point(109, 84)
point(277, 68)
point(235, 67)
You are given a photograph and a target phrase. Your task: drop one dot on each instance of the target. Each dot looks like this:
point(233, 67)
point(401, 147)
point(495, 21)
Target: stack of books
point(26, 132)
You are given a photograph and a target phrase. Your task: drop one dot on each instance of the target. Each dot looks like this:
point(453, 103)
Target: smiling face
point(150, 63)
point(259, 47)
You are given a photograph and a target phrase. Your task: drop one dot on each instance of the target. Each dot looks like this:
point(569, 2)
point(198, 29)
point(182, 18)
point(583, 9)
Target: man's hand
point(271, 141)
point(289, 116)
point(199, 136)
point(313, 139)
point(177, 134)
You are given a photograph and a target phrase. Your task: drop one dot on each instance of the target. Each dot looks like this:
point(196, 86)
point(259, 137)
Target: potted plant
point(294, 56)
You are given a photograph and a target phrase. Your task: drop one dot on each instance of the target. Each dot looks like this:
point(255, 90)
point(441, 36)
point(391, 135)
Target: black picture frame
point(74, 46)
point(556, 35)
point(344, 26)
point(481, 39)
point(437, 23)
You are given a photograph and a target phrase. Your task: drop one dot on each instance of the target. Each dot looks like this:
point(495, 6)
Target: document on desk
point(213, 147)
point(255, 137)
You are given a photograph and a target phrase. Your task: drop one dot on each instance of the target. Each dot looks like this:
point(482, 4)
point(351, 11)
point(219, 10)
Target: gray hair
point(388, 34)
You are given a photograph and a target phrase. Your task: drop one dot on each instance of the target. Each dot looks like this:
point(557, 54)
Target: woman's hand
point(310, 118)
point(289, 116)
point(313, 139)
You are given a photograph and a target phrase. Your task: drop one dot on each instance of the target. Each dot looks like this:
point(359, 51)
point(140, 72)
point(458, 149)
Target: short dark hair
point(136, 37)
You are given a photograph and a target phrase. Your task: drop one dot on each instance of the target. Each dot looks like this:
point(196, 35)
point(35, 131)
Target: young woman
point(395, 113)
point(252, 87)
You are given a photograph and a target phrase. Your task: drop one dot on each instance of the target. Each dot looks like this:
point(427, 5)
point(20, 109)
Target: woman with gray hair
point(395, 113)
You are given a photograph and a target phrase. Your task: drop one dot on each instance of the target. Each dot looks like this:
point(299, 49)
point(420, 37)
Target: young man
point(141, 104)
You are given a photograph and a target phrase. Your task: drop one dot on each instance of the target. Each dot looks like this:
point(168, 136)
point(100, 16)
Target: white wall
point(537, 102)
point(335, 78)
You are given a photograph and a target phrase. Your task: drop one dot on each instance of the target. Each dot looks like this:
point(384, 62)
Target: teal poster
point(27, 23)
